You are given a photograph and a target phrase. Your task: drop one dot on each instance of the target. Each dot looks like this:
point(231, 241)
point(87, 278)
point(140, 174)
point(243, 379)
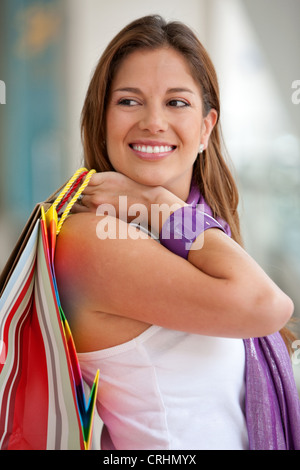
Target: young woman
point(164, 322)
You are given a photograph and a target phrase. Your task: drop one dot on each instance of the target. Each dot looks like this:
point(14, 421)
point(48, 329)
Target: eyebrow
point(128, 89)
point(180, 90)
point(169, 91)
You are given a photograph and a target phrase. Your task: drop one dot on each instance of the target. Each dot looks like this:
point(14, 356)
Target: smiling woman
point(147, 111)
point(168, 324)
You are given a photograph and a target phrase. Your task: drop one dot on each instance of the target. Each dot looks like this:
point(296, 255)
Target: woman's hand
point(106, 188)
point(128, 200)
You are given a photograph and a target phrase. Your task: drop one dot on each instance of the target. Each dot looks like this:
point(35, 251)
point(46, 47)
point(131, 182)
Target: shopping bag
point(42, 399)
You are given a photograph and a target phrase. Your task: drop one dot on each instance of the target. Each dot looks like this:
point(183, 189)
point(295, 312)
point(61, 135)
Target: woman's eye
point(127, 102)
point(178, 103)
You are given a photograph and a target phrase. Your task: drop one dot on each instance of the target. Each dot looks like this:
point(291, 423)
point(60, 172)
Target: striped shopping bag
point(42, 399)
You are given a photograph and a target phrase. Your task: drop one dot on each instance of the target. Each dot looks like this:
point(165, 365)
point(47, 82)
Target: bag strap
point(68, 189)
point(65, 190)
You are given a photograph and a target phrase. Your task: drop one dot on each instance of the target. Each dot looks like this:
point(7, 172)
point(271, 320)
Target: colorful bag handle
point(52, 223)
point(69, 188)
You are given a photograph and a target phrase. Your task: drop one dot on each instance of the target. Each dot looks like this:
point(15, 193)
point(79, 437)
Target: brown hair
point(211, 171)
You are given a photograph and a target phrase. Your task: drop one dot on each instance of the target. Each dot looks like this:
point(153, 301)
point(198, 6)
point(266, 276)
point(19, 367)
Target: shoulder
point(93, 247)
point(89, 273)
point(87, 231)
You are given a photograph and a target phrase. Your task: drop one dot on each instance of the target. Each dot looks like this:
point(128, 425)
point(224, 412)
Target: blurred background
point(48, 50)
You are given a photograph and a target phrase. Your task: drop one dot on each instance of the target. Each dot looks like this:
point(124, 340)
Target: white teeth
point(150, 149)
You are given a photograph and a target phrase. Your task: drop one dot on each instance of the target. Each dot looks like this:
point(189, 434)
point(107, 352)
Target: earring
point(201, 148)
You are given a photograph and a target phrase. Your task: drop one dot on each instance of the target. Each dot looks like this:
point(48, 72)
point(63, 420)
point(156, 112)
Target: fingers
point(97, 178)
point(109, 177)
point(102, 188)
point(81, 204)
point(79, 199)
point(79, 207)
point(84, 202)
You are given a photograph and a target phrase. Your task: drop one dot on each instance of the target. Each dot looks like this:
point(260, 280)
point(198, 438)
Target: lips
point(152, 150)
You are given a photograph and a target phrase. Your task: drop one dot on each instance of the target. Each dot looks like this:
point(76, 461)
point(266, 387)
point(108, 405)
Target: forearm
point(219, 290)
point(219, 257)
point(160, 203)
point(247, 286)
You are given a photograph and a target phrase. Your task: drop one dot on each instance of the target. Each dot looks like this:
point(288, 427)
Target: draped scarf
point(272, 405)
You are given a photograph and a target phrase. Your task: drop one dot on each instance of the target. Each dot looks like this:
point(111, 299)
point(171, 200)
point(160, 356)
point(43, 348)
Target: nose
point(153, 119)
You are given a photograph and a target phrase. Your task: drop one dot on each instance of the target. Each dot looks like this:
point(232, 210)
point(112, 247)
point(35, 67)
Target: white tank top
point(170, 390)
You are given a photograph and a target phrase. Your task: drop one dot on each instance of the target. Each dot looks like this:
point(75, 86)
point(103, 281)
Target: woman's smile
point(154, 120)
point(152, 151)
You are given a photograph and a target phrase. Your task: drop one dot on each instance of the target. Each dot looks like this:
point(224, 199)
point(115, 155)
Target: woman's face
point(154, 120)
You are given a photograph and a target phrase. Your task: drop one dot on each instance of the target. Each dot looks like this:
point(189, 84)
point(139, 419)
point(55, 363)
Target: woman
point(163, 322)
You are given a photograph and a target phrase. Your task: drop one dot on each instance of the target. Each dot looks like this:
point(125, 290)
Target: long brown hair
point(211, 172)
point(211, 169)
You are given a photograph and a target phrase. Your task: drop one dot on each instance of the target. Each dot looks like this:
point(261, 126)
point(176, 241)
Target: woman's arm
point(219, 291)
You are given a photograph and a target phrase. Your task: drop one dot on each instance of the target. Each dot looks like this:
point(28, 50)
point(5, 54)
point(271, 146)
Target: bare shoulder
point(86, 240)
point(88, 246)
point(124, 274)
point(87, 278)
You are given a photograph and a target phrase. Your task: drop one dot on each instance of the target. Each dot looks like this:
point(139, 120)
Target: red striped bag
point(42, 400)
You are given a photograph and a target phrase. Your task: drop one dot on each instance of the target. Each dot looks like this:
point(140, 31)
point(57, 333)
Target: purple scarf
point(272, 405)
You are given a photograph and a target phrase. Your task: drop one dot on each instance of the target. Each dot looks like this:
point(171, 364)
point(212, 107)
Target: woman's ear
point(209, 122)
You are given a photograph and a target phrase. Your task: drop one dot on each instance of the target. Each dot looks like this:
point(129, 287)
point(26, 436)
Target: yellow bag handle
point(75, 197)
